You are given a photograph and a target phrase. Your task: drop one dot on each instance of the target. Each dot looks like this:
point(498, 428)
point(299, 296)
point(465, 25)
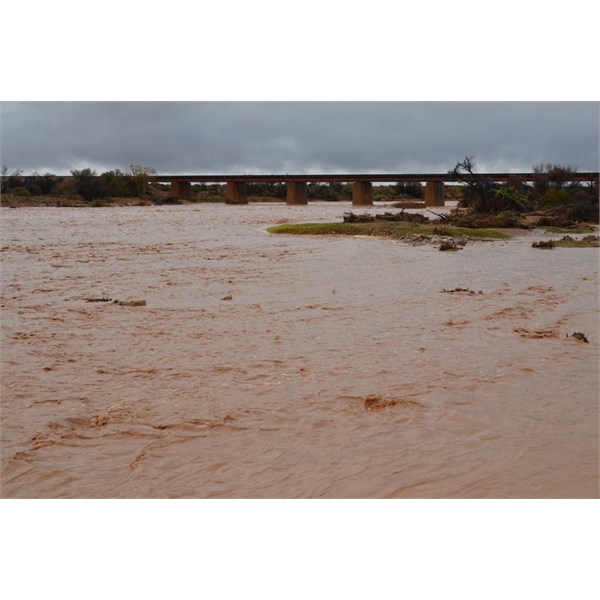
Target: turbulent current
point(275, 366)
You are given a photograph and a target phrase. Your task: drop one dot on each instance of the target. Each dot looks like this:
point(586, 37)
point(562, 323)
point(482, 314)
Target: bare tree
point(549, 176)
point(479, 187)
point(9, 180)
point(482, 194)
point(140, 175)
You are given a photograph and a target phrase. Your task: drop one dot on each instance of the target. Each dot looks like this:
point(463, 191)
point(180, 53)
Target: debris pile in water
point(578, 335)
point(351, 217)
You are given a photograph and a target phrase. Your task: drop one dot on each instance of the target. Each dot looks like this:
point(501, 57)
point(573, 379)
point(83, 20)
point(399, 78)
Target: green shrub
point(115, 183)
point(86, 184)
point(22, 191)
point(43, 184)
point(556, 197)
point(487, 198)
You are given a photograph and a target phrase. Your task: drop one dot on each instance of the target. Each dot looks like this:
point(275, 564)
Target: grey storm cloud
point(297, 137)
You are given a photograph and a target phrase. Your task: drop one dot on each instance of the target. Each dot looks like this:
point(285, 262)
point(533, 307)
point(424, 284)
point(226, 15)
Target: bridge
point(362, 184)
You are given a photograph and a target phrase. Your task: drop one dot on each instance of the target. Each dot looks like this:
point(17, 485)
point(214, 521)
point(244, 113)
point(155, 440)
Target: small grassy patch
point(468, 232)
point(579, 229)
point(589, 241)
point(394, 230)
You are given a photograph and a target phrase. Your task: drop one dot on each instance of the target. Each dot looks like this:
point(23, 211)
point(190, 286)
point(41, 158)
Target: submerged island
point(416, 229)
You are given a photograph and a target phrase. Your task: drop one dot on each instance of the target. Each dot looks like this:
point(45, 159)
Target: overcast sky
point(297, 137)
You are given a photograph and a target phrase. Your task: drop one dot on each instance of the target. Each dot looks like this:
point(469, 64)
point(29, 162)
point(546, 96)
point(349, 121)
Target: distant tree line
point(133, 182)
point(86, 183)
point(552, 188)
point(35, 185)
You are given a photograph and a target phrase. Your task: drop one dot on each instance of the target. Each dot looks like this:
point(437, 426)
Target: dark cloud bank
point(297, 137)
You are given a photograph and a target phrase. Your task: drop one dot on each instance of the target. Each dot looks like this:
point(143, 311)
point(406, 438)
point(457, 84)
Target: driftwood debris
point(460, 289)
point(376, 403)
point(479, 221)
point(543, 244)
point(450, 245)
point(439, 216)
point(131, 301)
point(350, 217)
point(578, 335)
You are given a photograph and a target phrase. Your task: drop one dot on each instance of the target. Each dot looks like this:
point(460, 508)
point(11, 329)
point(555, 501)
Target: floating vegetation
point(536, 333)
point(376, 403)
point(460, 289)
point(132, 301)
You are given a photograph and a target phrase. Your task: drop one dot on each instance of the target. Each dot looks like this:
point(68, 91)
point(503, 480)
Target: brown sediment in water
point(336, 369)
point(377, 403)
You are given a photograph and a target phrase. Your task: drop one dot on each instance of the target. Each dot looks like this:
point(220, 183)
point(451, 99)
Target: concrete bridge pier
point(434, 193)
point(181, 189)
point(236, 193)
point(297, 192)
point(362, 193)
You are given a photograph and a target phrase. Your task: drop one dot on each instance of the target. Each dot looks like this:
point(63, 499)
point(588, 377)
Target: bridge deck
point(356, 177)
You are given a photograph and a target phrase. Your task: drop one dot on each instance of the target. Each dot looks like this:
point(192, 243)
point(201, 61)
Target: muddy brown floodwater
point(336, 369)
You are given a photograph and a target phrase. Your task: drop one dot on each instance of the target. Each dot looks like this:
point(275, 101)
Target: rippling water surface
point(337, 368)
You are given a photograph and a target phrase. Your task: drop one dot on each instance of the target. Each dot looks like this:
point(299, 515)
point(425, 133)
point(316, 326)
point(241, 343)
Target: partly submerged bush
point(583, 210)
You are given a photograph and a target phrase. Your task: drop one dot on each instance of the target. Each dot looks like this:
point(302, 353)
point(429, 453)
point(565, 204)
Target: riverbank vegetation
point(131, 186)
point(83, 187)
point(552, 195)
point(551, 199)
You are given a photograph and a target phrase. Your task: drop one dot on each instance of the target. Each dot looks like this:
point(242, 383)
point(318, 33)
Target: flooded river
point(336, 368)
